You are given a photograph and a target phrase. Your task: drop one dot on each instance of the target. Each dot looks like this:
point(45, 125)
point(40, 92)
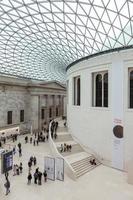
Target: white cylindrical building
point(100, 105)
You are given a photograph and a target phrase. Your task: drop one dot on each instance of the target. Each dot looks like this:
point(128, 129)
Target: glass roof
point(39, 38)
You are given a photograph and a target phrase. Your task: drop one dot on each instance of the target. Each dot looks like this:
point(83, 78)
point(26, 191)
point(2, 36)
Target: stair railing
point(68, 168)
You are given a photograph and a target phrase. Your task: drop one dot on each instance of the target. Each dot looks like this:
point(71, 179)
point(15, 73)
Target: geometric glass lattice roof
point(39, 38)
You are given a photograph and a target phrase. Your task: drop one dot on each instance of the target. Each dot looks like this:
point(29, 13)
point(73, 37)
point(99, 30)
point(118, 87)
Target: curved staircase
point(78, 159)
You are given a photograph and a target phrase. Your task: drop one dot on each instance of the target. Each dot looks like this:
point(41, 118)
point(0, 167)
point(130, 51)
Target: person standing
point(30, 140)
point(6, 175)
point(20, 152)
point(45, 176)
point(29, 178)
point(29, 165)
point(37, 142)
point(35, 177)
point(34, 160)
point(21, 168)
point(19, 145)
point(14, 150)
point(7, 186)
point(39, 178)
point(14, 170)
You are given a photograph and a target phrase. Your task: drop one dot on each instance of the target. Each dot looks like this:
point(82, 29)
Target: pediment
point(53, 85)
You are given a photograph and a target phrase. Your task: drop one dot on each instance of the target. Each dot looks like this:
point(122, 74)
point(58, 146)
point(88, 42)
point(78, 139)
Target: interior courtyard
point(66, 99)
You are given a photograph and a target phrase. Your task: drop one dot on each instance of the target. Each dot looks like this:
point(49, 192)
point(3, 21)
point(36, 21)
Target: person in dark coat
point(39, 178)
point(29, 178)
point(45, 176)
point(20, 167)
point(29, 165)
point(34, 160)
point(35, 177)
point(20, 152)
point(19, 145)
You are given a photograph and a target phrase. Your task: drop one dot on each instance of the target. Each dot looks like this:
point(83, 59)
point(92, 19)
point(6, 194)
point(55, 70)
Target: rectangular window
point(21, 115)
point(42, 113)
point(76, 91)
point(50, 112)
point(9, 117)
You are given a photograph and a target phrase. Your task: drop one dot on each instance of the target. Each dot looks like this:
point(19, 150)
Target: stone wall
point(30, 97)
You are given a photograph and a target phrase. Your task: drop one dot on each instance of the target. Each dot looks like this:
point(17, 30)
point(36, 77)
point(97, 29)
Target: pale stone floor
point(102, 183)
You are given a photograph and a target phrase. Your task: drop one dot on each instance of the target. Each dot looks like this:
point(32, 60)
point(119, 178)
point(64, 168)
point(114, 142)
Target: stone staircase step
point(82, 172)
point(82, 161)
point(78, 158)
point(78, 170)
point(82, 165)
point(63, 138)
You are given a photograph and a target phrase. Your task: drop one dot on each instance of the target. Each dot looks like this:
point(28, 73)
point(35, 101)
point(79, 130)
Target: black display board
point(6, 162)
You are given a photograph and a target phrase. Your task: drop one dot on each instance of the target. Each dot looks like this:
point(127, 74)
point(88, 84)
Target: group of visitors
point(32, 161)
point(37, 177)
point(14, 137)
point(39, 136)
point(65, 147)
point(36, 138)
point(17, 169)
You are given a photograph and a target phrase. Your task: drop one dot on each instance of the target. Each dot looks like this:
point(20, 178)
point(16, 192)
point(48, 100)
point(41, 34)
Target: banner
point(60, 169)
point(6, 161)
point(49, 166)
point(117, 114)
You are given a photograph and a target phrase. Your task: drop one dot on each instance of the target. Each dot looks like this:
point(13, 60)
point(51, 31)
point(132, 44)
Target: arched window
point(131, 89)
point(78, 91)
point(105, 79)
point(99, 90)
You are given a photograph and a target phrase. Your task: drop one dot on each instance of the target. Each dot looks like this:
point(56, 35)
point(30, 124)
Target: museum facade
point(29, 104)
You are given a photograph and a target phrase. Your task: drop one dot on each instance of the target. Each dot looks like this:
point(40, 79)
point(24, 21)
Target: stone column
point(47, 108)
point(54, 106)
point(39, 112)
point(60, 105)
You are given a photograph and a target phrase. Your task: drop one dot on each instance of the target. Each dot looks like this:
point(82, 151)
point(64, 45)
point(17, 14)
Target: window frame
point(94, 75)
point(22, 115)
point(77, 90)
point(9, 118)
